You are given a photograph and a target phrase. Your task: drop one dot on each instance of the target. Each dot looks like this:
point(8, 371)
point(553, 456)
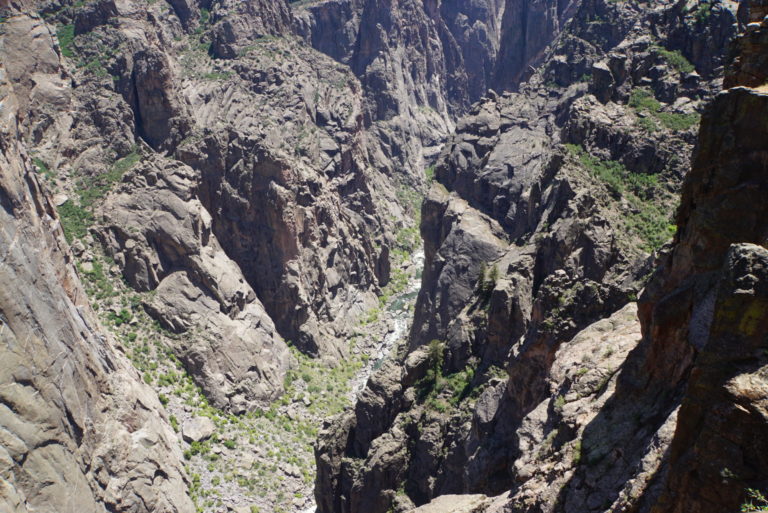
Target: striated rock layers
point(423, 63)
point(526, 378)
point(79, 431)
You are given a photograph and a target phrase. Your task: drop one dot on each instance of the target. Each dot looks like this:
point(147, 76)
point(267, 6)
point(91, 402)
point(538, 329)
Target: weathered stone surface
point(455, 504)
point(80, 432)
point(557, 259)
point(703, 311)
point(239, 24)
point(719, 446)
point(197, 429)
point(161, 235)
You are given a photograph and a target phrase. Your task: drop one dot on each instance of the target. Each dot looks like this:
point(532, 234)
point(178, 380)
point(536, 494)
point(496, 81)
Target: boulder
point(197, 429)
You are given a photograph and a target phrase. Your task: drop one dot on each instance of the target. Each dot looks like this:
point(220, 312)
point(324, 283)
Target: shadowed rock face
point(531, 268)
point(703, 313)
point(528, 28)
point(421, 64)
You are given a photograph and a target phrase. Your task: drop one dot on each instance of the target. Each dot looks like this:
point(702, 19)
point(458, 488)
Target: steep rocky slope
point(238, 183)
point(218, 163)
point(547, 204)
point(251, 190)
point(78, 430)
point(704, 311)
point(421, 64)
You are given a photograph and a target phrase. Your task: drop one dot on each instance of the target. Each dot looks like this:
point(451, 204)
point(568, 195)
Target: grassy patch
point(644, 102)
point(650, 219)
point(66, 36)
point(217, 75)
point(642, 99)
point(618, 178)
point(97, 283)
point(43, 168)
point(326, 387)
point(93, 188)
point(678, 122)
point(75, 220)
point(675, 59)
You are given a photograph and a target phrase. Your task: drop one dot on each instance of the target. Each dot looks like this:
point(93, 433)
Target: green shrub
point(120, 318)
point(98, 285)
point(75, 220)
point(703, 12)
point(217, 75)
point(649, 221)
point(43, 168)
point(618, 178)
point(678, 122)
point(435, 355)
point(437, 404)
point(205, 16)
point(756, 502)
point(576, 453)
point(460, 384)
point(648, 124)
point(675, 59)
point(643, 99)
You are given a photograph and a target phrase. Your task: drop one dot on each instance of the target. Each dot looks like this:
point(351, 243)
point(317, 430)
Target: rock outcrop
point(548, 203)
point(160, 234)
point(222, 166)
point(703, 312)
point(423, 64)
point(79, 430)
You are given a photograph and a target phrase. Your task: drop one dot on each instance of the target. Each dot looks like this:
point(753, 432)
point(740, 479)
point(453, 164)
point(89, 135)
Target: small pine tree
point(480, 287)
point(493, 277)
point(435, 353)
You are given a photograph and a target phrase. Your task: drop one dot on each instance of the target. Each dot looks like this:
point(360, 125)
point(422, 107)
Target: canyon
point(383, 256)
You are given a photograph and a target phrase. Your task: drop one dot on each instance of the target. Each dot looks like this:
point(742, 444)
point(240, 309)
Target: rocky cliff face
point(421, 64)
point(196, 142)
point(230, 189)
point(80, 432)
point(234, 178)
point(537, 237)
point(703, 311)
point(208, 170)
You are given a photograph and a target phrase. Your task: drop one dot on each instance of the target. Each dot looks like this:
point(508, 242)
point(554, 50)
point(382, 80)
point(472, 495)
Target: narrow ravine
point(399, 314)
point(398, 318)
